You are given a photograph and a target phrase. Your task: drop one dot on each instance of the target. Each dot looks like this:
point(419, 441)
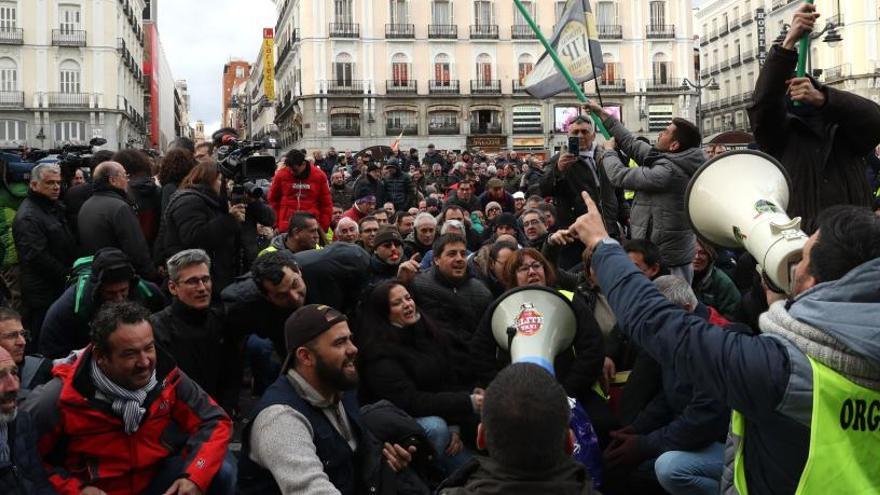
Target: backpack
point(81, 274)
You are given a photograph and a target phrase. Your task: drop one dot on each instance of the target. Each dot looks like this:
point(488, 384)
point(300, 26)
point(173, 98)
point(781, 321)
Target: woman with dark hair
point(176, 164)
point(578, 368)
point(198, 216)
point(143, 190)
point(406, 359)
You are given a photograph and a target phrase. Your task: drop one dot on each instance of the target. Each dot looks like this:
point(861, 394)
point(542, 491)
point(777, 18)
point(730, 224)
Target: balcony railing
point(407, 130)
point(485, 87)
point(746, 19)
point(484, 31)
point(401, 87)
point(400, 31)
point(69, 100)
point(345, 130)
point(610, 31)
point(68, 37)
point(663, 85)
point(282, 55)
point(11, 36)
point(749, 55)
point(349, 87)
point(616, 85)
point(443, 31)
point(443, 130)
point(660, 31)
point(735, 61)
point(345, 30)
point(519, 87)
point(444, 87)
point(485, 128)
point(522, 32)
point(837, 73)
point(12, 99)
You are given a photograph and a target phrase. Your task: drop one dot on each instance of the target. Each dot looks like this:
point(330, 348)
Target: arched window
point(525, 65)
point(442, 70)
point(661, 69)
point(610, 72)
point(69, 79)
point(400, 69)
point(484, 68)
point(8, 75)
point(343, 70)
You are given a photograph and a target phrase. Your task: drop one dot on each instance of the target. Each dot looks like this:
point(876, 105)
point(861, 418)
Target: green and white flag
point(576, 42)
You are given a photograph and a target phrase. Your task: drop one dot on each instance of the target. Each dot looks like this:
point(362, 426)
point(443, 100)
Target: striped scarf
point(127, 404)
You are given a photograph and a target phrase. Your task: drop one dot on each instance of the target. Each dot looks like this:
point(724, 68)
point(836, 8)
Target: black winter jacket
point(46, 249)
point(108, 220)
point(197, 218)
point(414, 373)
point(485, 476)
point(25, 475)
point(399, 190)
point(822, 149)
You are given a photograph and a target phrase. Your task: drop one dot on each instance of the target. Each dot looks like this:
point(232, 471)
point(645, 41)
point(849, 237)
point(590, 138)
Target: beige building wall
point(98, 46)
point(853, 64)
point(310, 102)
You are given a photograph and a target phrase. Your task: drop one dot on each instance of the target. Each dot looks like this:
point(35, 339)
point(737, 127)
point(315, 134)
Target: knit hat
point(305, 324)
point(506, 219)
point(492, 204)
point(387, 234)
point(366, 198)
point(372, 166)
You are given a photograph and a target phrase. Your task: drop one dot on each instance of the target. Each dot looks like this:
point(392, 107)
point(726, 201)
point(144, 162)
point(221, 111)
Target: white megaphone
point(738, 199)
point(534, 324)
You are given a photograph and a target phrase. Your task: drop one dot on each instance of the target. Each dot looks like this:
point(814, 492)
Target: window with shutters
point(343, 69)
point(442, 72)
point(8, 16)
point(13, 130)
point(70, 18)
point(8, 75)
point(70, 131)
point(69, 77)
point(525, 68)
point(400, 69)
point(441, 12)
point(484, 68)
point(609, 75)
point(518, 18)
point(658, 13)
point(606, 13)
point(399, 11)
point(483, 13)
point(659, 117)
point(343, 12)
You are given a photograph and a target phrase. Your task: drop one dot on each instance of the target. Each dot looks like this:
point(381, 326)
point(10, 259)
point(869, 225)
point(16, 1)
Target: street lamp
point(832, 35)
point(247, 105)
point(711, 85)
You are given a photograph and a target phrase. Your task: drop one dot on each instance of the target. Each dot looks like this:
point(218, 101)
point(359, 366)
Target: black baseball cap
point(305, 324)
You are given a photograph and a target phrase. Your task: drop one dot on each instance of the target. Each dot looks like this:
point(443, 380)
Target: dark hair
point(548, 208)
point(400, 215)
point(451, 207)
point(110, 317)
point(135, 162)
point(299, 221)
point(500, 246)
point(294, 157)
point(686, 133)
point(217, 137)
point(518, 258)
point(203, 174)
point(176, 164)
point(269, 267)
point(184, 143)
point(535, 197)
point(100, 157)
point(583, 119)
point(535, 211)
point(368, 218)
point(525, 418)
point(374, 327)
point(649, 251)
point(444, 240)
point(848, 236)
point(7, 313)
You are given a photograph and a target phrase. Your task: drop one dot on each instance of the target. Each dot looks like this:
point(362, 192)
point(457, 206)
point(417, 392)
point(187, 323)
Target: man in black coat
point(194, 330)
point(822, 143)
point(21, 471)
point(107, 219)
point(46, 246)
point(112, 279)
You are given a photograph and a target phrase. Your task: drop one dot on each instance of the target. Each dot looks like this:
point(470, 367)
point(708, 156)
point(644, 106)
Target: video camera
point(239, 162)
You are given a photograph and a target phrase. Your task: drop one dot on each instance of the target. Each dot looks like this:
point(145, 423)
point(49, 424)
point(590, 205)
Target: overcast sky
point(199, 37)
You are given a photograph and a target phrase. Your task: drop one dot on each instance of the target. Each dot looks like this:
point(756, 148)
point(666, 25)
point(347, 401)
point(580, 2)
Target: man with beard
point(306, 433)
point(21, 471)
point(340, 192)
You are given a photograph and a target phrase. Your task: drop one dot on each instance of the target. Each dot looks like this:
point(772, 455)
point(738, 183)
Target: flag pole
point(568, 78)
point(803, 53)
point(593, 65)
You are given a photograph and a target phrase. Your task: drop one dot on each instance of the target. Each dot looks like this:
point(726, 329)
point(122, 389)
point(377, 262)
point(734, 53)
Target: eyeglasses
point(15, 335)
point(531, 266)
point(195, 281)
point(495, 208)
point(532, 222)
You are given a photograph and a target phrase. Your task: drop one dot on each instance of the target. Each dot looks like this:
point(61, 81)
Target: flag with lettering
point(576, 42)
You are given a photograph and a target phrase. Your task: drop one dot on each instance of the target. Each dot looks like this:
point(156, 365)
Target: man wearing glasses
point(33, 371)
point(193, 329)
point(580, 169)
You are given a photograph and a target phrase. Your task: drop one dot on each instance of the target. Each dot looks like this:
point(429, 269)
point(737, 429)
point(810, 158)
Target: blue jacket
point(765, 378)
point(26, 476)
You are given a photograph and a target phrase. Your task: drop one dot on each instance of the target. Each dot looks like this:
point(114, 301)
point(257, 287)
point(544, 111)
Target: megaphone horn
point(534, 324)
point(738, 199)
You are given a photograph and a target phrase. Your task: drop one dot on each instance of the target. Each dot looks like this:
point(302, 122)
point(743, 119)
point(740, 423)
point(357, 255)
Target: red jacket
point(309, 192)
point(83, 443)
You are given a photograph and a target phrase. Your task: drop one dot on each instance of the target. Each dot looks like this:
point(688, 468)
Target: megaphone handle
point(769, 283)
point(511, 333)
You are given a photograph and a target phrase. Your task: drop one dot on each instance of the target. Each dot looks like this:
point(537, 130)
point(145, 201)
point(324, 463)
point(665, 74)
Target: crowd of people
point(352, 296)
